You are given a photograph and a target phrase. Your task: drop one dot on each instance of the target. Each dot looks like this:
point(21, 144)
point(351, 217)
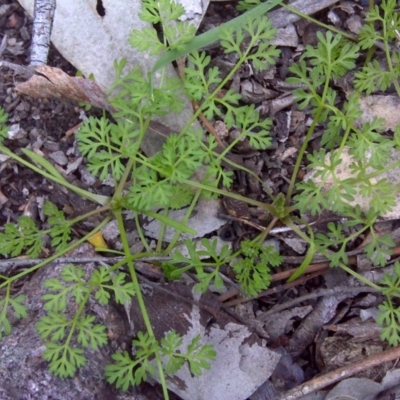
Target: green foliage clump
point(389, 314)
point(253, 269)
point(126, 372)
point(374, 75)
point(368, 148)
point(200, 260)
point(64, 335)
point(16, 304)
point(187, 166)
point(26, 236)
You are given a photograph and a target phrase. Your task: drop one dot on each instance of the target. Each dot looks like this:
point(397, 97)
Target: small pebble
point(11, 41)
point(59, 157)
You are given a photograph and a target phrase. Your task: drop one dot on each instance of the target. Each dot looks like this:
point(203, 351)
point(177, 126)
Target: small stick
point(42, 25)
point(341, 373)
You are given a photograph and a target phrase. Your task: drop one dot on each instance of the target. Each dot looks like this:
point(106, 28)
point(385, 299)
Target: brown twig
point(341, 373)
point(312, 271)
point(268, 292)
point(23, 263)
point(208, 125)
point(27, 72)
point(314, 295)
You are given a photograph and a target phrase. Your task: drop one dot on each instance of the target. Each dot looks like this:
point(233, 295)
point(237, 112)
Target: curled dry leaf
point(52, 82)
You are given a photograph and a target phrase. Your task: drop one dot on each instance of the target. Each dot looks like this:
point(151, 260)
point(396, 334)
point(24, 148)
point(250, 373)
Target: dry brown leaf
point(52, 83)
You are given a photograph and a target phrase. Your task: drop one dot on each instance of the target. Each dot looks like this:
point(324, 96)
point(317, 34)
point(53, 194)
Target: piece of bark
point(42, 25)
point(49, 82)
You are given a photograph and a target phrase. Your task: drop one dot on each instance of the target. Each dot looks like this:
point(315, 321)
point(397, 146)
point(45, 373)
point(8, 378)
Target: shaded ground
point(40, 123)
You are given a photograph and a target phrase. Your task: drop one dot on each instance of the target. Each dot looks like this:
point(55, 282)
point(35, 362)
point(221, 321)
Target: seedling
point(166, 181)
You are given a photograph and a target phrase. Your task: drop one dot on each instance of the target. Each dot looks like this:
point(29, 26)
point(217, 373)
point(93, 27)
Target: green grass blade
point(43, 163)
point(212, 35)
point(52, 174)
point(304, 265)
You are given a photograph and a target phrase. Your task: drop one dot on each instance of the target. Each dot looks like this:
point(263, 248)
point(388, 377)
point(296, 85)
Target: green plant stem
point(90, 214)
point(102, 200)
point(263, 235)
point(184, 221)
point(3, 315)
point(124, 178)
point(75, 320)
point(356, 275)
point(370, 53)
point(371, 50)
point(213, 95)
point(288, 222)
point(316, 22)
point(247, 200)
point(141, 234)
point(131, 163)
point(325, 254)
point(310, 252)
point(388, 168)
point(140, 299)
point(255, 176)
point(345, 137)
point(308, 136)
point(388, 58)
point(131, 257)
point(161, 232)
point(301, 154)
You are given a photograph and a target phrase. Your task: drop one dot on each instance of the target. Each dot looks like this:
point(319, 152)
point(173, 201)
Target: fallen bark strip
point(42, 26)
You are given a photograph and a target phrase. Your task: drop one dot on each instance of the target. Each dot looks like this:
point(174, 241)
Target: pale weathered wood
point(42, 25)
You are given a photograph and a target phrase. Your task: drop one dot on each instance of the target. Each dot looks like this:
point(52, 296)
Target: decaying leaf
point(204, 219)
point(52, 82)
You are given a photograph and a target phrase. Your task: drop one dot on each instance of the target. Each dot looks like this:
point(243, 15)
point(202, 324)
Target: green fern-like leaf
point(60, 231)
point(253, 270)
point(334, 55)
point(146, 39)
point(199, 259)
point(389, 320)
point(20, 237)
point(199, 355)
point(53, 326)
point(6, 304)
point(63, 360)
point(90, 334)
point(121, 373)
